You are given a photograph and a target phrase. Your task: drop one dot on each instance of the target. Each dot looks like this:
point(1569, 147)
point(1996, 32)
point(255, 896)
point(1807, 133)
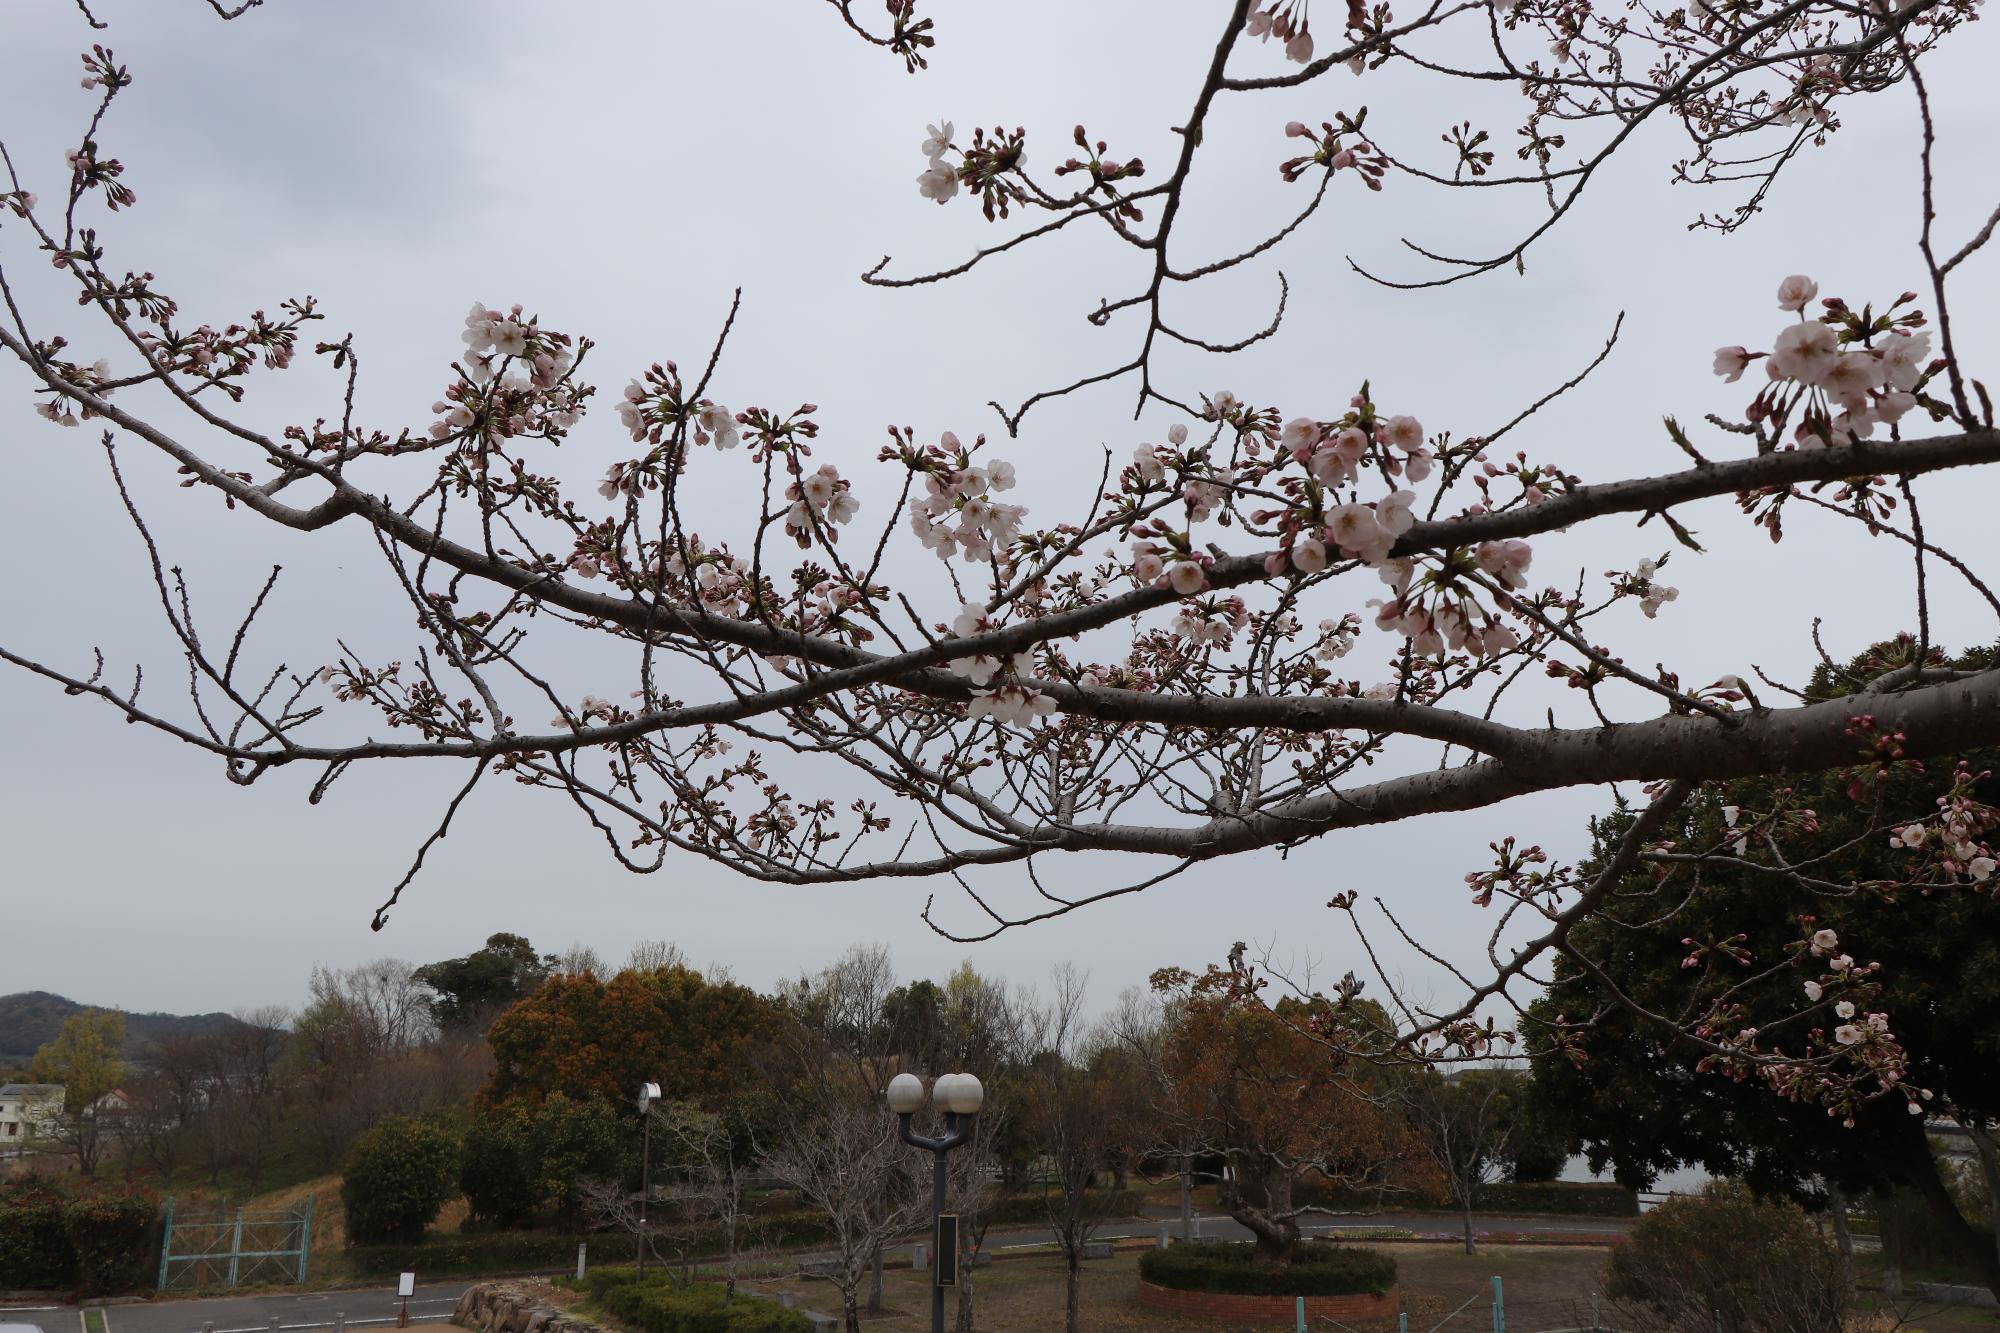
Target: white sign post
point(406, 1287)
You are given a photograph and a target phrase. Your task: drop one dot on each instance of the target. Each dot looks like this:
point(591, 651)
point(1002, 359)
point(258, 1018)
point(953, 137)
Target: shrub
point(657, 1306)
point(1723, 1259)
point(1585, 1197)
point(490, 1252)
point(1032, 1206)
point(498, 1170)
point(398, 1176)
point(35, 1250)
point(1319, 1270)
point(111, 1233)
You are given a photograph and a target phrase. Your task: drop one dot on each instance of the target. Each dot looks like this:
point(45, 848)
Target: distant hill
point(31, 1018)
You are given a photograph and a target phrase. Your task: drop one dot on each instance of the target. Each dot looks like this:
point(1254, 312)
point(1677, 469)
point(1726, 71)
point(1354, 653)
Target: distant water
point(1687, 1180)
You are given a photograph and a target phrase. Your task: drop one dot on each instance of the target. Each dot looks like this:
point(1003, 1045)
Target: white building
point(26, 1111)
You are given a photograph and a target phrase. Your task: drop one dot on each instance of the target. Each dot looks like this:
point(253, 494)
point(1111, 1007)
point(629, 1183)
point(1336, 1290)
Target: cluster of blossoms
point(91, 379)
point(1856, 1028)
point(1644, 584)
point(1015, 701)
point(653, 409)
point(1956, 845)
point(1436, 613)
point(1332, 151)
point(1213, 621)
point(939, 180)
point(515, 381)
point(1288, 21)
point(1870, 369)
point(957, 511)
point(820, 499)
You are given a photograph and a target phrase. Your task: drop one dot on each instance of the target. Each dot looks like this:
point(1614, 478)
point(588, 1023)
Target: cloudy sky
point(621, 171)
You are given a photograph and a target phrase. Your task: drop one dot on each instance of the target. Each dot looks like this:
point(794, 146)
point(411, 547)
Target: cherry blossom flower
point(1847, 1034)
point(1187, 577)
point(1845, 1009)
point(1017, 705)
point(938, 181)
point(1731, 362)
point(1146, 460)
point(1824, 942)
point(1506, 561)
point(718, 424)
point(1394, 513)
point(1795, 291)
point(1805, 352)
point(1299, 435)
point(1814, 991)
point(938, 141)
point(1911, 837)
point(1851, 377)
point(1981, 868)
point(1404, 433)
point(1308, 555)
point(1903, 359)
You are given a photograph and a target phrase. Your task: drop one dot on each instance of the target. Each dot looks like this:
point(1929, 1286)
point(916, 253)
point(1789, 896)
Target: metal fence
point(235, 1249)
point(1488, 1308)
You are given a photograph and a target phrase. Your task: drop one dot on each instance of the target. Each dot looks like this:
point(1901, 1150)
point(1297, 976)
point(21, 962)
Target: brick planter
point(1268, 1309)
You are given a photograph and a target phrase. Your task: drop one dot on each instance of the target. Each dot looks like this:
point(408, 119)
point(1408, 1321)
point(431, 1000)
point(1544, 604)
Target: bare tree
point(652, 955)
point(845, 1159)
point(1073, 1114)
point(1465, 1120)
point(706, 1157)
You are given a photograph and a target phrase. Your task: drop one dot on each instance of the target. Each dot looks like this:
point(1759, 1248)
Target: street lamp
point(959, 1097)
point(648, 1094)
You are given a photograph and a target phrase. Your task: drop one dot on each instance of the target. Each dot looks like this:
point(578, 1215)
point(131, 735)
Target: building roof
point(31, 1090)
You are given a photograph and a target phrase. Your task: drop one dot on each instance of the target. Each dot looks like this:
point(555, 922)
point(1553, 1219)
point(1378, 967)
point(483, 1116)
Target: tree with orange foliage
point(697, 1038)
point(1255, 1083)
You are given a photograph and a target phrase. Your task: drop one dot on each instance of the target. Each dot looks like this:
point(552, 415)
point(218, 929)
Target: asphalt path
point(377, 1307)
point(370, 1308)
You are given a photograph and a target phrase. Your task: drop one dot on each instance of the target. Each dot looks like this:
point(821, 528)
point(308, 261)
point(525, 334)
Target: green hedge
point(1321, 1270)
point(656, 1306)
point(1032, 1206)
point(1583, 1197)
point(96, 1240)
point(534, 1251)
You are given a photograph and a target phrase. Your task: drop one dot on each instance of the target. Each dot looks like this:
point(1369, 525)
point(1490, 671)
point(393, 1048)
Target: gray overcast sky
point(620, 170)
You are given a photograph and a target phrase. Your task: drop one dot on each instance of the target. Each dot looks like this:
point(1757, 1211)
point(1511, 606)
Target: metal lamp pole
point(959, 1096)
point(648, 1094)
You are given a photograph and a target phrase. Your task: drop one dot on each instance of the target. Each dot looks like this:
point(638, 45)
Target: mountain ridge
point(30, 1019)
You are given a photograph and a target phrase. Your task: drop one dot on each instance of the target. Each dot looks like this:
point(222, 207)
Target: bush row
point(1032, 1206)
point(1584, 1198)
point(1319, 1270)
point(95, 1240)
point(532, 1251)
point(657, 1306)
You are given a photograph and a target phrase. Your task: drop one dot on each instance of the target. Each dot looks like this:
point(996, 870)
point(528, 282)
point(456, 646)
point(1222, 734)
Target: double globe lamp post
point(959, 1097)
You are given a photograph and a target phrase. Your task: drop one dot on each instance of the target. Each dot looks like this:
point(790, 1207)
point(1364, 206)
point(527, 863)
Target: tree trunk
point(1836, 1204)
point(1073, 1290)
point(875, 1281)
point(1920, 1169)
point(849, 1309)
point(962, 1323)
point(1260, 1198)
point(1471, 1246)
point(1187, 1196)
point(1989, 1167)
point(1892, 1245)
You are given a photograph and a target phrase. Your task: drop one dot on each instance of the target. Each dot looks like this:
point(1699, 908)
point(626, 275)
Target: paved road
point(375, 1307)
point(368, 1308)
